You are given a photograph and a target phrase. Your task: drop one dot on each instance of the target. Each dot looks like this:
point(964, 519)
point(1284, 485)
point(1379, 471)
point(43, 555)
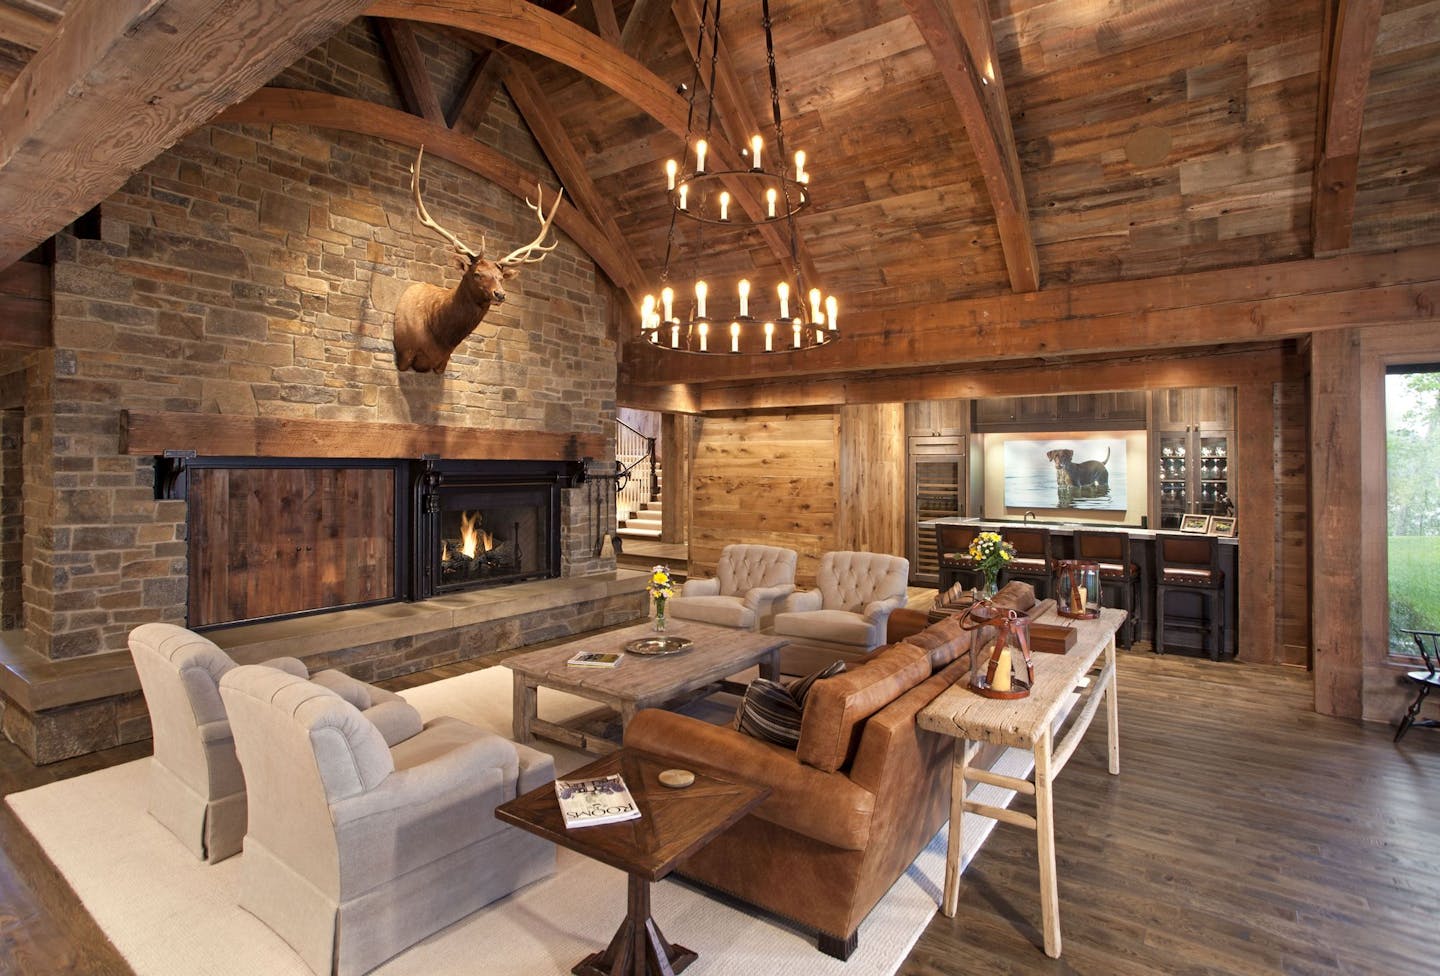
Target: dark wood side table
point(673, 824)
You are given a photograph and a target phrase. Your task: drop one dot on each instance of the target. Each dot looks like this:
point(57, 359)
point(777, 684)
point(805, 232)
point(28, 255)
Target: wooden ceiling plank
point(1345, 78)
point(120, 81)
point(474, 101)
point(288, 106)
point(1205, 308)
point(407, 64)
point(528, 26)
point(555, 143)
point(24, 27)
point(987, 125)
point(642, 25)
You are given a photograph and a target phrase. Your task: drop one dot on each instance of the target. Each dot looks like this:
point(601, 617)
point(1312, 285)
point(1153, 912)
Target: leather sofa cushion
point(836, 708)
point(943, 640)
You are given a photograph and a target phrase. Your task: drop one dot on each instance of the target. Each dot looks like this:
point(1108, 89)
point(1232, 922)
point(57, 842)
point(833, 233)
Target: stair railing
point(635, 458)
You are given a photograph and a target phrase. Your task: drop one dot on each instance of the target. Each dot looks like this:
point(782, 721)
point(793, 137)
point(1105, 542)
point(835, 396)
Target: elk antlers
point(430, 222)
point(534, 252)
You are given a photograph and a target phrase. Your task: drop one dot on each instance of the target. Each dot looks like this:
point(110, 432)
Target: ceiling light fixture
point(791, 316)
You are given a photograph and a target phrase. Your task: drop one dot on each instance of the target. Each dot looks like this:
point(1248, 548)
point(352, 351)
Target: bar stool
point(1032, 562)
point(952, 549)
point(1190, 564)
point(1112, 551)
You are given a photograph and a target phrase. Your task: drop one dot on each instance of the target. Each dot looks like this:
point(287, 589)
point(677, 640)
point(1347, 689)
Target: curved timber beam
point(548, 35)
point(288, 106)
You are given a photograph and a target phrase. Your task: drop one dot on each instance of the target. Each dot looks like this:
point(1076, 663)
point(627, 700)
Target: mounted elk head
point(430, 321)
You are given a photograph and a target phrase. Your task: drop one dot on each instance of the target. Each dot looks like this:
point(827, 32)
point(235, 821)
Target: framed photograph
point(1223, 525)
point(1196, 524)
point(1081, 471)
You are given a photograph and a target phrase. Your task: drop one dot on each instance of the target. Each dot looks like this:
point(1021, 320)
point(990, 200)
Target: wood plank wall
point(1292, 514)
point(872, 478)
point(767, 478)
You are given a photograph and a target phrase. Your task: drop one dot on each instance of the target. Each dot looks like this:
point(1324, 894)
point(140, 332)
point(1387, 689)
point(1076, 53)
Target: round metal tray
point(656, 646)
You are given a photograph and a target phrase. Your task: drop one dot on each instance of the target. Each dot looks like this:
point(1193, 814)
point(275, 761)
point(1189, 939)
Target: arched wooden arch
point(287, 106)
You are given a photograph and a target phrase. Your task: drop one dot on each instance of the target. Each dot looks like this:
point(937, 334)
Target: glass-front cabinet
point(937, 490)
point(1190, 460)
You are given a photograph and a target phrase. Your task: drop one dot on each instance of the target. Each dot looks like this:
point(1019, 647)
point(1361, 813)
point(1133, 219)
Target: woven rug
point(171, 915)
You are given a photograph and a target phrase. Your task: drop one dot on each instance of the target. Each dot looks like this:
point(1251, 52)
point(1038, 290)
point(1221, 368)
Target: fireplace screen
point(492, 536)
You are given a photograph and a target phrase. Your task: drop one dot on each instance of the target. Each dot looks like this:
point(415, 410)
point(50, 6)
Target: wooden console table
point(1027, 723)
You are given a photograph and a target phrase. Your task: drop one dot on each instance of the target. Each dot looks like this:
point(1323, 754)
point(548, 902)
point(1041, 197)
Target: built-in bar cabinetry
point(937, 490)
point(1190, 453)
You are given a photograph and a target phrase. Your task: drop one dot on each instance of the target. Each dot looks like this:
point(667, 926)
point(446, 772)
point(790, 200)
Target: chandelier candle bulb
point(667, 296)
point(770, 198)
point(800, 166)
point(831, 306)
point(701, 147)
point(671, 167)
point(744, 298)
point(675, 336)
point(797, 333)
point(815, 306)
point(783, 290)
point(701, 290)
point(724, 204)
point(647, 310)
point(734, 336)
point(704, 334)
point(769, 336)
point(756, 144)
point(684, 192)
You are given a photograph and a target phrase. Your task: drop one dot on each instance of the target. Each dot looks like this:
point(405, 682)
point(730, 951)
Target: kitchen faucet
point(1028, 516)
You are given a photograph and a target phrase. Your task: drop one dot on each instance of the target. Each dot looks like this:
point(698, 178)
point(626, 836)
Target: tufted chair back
point(852, 580)
point(744, 567)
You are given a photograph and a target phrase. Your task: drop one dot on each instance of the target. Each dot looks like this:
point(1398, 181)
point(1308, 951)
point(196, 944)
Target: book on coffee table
point(589, 802)
point(596, 659)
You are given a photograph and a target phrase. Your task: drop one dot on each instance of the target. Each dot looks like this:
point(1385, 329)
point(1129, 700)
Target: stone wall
point(251, 271)
point(11, 518)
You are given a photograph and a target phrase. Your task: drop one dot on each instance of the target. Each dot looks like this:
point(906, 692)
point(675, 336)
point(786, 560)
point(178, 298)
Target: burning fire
point(473, 539)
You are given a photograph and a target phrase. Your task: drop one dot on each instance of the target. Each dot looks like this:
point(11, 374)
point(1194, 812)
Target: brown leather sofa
point(853, 804)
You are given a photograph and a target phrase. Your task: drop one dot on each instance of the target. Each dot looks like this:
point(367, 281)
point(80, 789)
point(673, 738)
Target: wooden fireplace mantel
point(219, 435)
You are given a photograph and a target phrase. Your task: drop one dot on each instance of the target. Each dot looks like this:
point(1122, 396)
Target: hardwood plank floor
point(1245, 835)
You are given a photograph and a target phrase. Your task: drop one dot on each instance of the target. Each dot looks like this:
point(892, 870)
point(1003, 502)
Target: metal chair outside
point(1428, 641)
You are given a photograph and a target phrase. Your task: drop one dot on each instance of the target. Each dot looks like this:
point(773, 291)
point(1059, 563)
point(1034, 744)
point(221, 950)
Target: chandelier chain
point(795, 267)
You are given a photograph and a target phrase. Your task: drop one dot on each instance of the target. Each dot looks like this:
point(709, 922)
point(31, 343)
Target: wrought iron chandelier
point(788, 317)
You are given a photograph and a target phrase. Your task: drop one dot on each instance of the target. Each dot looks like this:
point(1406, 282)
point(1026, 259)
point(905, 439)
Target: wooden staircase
point(644, 522)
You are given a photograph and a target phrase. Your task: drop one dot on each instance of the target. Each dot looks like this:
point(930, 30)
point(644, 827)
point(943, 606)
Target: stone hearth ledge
point(47, 691)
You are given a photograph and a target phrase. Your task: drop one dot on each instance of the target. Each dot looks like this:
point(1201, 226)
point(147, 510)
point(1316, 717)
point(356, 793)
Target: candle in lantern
point(684, 192)
point(667, 297)
point(783, 290)
point(701, 147)
point(756, 144)
point(744, 298)
point(800, 174)
point(1000, 681)
point(704, 333)
point(797, 333)
point(671, 167)
point(815, 306)
point(734, 336)
point(831, 307)
point(724, 204)
point(700, 292)
point(769, 336)
point(770, 197)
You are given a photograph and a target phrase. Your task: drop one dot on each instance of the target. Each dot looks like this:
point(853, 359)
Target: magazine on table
point(588, 802)
point(596, 659)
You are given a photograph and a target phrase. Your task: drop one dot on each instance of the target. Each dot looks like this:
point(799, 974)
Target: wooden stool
point(1190, 564)
point(952, 549)
point(1032, 562)
point(1122, 577)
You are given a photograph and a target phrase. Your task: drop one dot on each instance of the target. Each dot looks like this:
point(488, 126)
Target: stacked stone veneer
point(251, 271)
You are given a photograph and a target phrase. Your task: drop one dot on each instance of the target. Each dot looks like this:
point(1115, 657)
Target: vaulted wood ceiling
point(1120, 141)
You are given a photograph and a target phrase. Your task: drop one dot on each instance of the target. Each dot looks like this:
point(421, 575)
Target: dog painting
point(1085, 472)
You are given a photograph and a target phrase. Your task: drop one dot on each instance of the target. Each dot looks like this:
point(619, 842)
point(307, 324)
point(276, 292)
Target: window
point(1412, 451)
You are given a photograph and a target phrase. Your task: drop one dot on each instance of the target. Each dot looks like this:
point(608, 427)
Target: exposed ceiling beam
point(1205, 308)
point(407, 64)
point(119, 81)
point(736, 119)
point(959, 38)
point(602, 12)
point(1345, 76)
point(288, 106)
point(555, 143)
point(27, 28)
point(644, 21)
point(528, 26)
point(25, 308)
point(474, 101)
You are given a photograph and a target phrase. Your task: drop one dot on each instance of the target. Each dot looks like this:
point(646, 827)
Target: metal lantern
point(1002, 668)
point(1077, 588)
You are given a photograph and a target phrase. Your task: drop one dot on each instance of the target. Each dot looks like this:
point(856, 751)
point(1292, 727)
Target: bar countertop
point(1068, 528)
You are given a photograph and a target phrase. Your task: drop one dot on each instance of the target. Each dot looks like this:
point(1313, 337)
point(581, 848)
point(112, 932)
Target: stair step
point(644, 518)
point(631, 532)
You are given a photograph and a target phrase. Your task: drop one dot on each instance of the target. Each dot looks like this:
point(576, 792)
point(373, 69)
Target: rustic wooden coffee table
point(673, 824)
point(638, 682)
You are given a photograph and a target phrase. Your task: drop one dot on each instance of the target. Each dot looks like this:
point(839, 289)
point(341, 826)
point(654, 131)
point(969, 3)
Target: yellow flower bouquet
point(991, 554)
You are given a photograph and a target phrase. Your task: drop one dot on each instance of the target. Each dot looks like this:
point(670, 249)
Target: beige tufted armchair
point(196, 788)
point(355, 850)
point(845, 615)
point(748, 582)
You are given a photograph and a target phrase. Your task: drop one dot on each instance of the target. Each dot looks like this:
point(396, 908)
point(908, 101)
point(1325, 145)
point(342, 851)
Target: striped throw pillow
point(772, 711)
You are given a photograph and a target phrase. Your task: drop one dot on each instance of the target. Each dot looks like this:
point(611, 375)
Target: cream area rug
point(171, 915)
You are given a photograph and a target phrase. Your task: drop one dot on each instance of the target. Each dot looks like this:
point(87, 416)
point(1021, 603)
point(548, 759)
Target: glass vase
point(991, 587)
point(659, 615)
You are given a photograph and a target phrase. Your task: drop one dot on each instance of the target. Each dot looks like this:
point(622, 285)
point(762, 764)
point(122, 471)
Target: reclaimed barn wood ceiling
point(1140, 138)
